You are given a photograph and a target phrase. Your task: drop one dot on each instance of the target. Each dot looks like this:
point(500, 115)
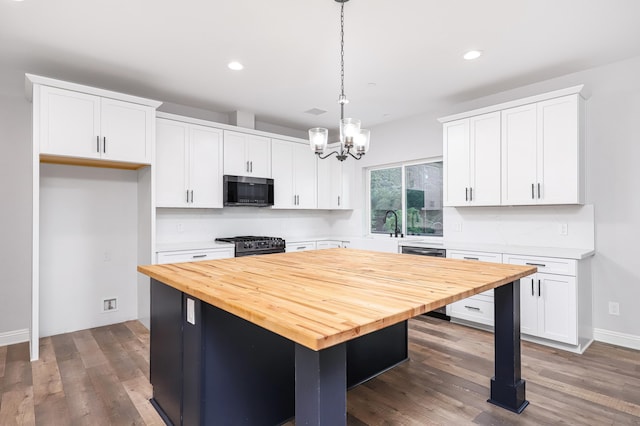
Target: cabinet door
point(485, 170)
point(346, 184)
point(126, 131)
point(529, 305)
point(305, 179)
point(558, 151)
point(456, 155)
point(171, 160)
point(205, 166)
point(557, 308)
point(283, 177)
point(330, 184)
point(519, 152)
point(259, 156)
point(235, 158)
point(69, 123)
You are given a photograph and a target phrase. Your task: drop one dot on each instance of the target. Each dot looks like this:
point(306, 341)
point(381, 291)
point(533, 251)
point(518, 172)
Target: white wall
point(191, 225)
point(613, 150)
point(88, 246)
point(15, 214)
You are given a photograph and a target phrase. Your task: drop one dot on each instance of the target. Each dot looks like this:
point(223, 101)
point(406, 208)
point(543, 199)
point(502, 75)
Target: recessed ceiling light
point(472, 54)
point(236, 66)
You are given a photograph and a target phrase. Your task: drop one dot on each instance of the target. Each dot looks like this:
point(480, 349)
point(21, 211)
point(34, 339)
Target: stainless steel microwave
point(247, 191)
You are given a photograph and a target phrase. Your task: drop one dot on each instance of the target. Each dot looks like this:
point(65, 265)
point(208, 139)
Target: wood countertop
point(321, 298)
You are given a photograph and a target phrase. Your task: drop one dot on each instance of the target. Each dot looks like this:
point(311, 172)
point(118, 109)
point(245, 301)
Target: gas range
point(252, 245)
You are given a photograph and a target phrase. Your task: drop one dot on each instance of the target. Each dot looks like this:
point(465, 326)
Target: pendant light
point(354, 141)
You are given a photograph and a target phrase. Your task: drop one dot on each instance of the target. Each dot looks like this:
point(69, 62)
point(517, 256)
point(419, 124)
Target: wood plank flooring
point(101, 377)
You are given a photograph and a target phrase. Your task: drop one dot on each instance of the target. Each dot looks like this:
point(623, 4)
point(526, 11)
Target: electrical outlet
point(109, 305)
point(107, 256)
point(457, 227)
point(180, 228)
point(564, 229)
point(614, 308)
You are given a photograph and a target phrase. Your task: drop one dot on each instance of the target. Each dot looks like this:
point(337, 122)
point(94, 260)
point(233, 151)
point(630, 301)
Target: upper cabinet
point(87, 126)
point(524, 152)
point(246, 154)
point(542, 153)
point(294, 175)
point(335, 179)
point(471, 151)
point(188, 165)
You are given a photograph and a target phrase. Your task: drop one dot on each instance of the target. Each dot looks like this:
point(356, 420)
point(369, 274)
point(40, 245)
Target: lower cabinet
point(330, 244)
point(477, 308)
point(548, 301)
point(300, 246)
point(179, 256)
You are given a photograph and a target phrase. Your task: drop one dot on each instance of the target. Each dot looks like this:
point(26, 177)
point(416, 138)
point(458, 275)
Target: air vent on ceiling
point(315, 111)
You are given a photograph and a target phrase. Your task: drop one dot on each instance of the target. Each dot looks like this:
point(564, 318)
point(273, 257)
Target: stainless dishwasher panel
point(434, 252)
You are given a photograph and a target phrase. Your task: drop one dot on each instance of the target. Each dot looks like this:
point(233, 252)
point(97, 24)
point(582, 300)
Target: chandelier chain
point(342, 95)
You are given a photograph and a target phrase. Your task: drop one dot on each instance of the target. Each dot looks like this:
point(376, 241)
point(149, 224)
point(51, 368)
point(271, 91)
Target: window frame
point(402, 165)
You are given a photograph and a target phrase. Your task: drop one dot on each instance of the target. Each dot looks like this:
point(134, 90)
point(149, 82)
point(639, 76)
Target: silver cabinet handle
point(466, 194)
point(198, 256)
point(104, 144)
point(247, 166)
point(532, 192)
point(532, 292)
point(471, 258)
point(538, 190)
point(542, 265)
point(338, 200)
point(187, 191)
point(470, 194)
point(191, 195)
point(539, 289)
point(301, 248)
point(97, 143)
point(251, 166)
point(473, 308)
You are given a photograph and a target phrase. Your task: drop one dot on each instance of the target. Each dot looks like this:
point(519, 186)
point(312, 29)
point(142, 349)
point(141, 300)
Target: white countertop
point(565, 253)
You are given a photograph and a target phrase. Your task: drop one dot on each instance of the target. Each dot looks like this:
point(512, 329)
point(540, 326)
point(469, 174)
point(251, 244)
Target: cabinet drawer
point(194, 255)
point(301, 246)
point(547, 265)
point(473, 309)
point(475, 255)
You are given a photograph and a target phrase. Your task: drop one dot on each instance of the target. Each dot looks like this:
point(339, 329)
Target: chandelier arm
point(328, 155)
point(357, 157)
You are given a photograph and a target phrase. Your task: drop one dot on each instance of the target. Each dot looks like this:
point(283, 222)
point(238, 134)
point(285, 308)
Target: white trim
point(519, 102)
point(31, 80)
point(619, 339)
point(13, 337)
point(222, 126)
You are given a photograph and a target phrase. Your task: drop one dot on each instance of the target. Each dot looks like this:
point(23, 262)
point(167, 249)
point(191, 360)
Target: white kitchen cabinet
point(188, 165)
point(335, 179)
point(548, 301)
point(471, 151)
point(542, 152)
point(327, 244)
point(246, 154)
point(478, 308)
point(300, 246)
point(81, 125)
point(179, 256)
point(294, 170)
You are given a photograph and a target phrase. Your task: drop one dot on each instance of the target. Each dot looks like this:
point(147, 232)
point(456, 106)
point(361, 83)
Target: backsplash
point(539, 226)
point(192, 225)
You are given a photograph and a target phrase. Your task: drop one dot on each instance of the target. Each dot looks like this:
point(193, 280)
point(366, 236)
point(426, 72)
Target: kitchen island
point(254, 340)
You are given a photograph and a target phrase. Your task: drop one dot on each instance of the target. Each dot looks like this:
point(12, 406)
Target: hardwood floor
point(101, 377)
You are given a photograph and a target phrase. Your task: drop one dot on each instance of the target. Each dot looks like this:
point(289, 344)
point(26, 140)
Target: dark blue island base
point(225, 370)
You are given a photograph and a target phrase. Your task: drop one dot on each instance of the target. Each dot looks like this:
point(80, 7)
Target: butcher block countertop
point(321, 298)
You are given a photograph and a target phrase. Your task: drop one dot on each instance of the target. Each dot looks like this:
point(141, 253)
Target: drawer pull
point(471, 258)
point(542, 265)
point(532, 292)
point(539, 291)
point(473, 308)
point(198, 256)
point(301, 248)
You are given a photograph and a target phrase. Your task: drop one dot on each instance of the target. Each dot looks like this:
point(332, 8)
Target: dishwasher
point(435, 252)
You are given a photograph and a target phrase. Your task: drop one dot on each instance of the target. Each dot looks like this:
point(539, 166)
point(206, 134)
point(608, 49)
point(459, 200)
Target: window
point(413, 192)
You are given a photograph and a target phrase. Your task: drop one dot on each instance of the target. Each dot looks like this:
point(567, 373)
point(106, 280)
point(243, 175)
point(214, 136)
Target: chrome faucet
point(396, 224)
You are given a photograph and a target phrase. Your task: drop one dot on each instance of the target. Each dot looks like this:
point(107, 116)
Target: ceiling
point(402, 57)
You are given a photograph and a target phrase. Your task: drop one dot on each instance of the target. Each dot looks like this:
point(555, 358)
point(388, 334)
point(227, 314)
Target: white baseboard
point(619, 339)
point(13, 337)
